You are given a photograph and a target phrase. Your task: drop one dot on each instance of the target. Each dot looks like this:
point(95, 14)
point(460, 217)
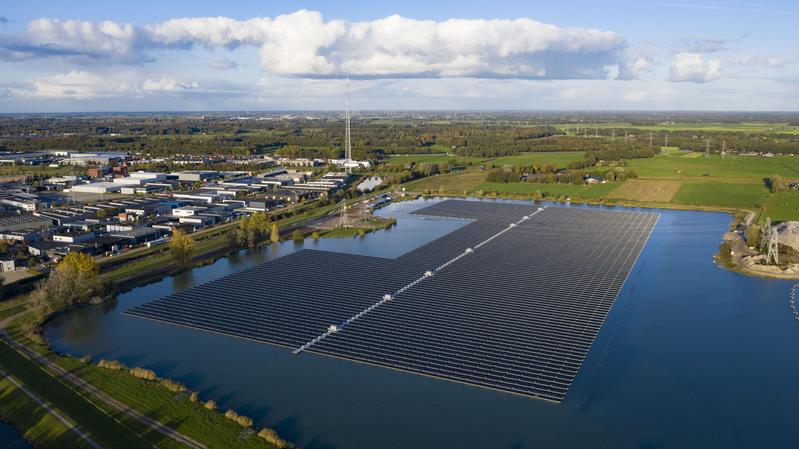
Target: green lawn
point(593, 191)
point(722, 194)
point(558, 159)
point(676, 165)
point(104, 429)
point(432, 158)
point(175, 409)
point(39, 425)
point(782, 206)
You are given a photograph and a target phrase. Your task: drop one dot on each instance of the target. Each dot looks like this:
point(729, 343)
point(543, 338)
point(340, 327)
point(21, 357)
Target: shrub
point(143, 373)
point(171, 385)
point(241, 419)
point(111, 364)
point(271, 437)
point(210, 404)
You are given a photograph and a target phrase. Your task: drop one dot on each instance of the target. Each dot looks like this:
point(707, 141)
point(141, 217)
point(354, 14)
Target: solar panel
point(512, 301)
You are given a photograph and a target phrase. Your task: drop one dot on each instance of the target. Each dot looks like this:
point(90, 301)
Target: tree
point(75, 281)
point(315, 235)
point(752, 235)
point(181, 247)
point(274, 235)
point(297, 236)
point(776, 184)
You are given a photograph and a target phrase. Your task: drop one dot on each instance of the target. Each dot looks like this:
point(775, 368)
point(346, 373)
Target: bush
point(241, 419)
point(143, 373)
point(271, 437)
point(171, 385)
point(111, 364)
point(210, 404)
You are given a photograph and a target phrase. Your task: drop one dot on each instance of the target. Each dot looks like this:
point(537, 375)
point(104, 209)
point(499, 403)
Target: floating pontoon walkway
point(511, 301)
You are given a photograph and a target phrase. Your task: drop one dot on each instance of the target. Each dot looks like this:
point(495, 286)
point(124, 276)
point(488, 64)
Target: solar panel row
point(519, 314)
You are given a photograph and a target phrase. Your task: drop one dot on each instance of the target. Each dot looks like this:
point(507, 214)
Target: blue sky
point(291, 55)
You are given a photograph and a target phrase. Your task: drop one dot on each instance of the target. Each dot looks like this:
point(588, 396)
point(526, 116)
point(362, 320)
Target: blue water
point(11, 439)
point(691, 355)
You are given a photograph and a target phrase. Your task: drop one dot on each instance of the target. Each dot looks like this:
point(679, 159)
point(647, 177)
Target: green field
point(558, 159)
point(722, 194)
point(593, 191)
point(431, 159)
point(765, 128)
point(677, 165)
point(782, 206)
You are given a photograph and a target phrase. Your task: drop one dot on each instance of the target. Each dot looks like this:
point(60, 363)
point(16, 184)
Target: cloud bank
point(304, 44)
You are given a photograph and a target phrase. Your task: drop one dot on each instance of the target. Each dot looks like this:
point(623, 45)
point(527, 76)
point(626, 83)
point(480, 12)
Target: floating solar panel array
point(512, 301)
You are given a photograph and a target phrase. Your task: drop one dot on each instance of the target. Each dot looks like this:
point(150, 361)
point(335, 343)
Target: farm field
point(722, 194)
point(677, 165)
point(647, 190)
point(782, 206)
point(460, 183)
point(766, 128)
point(592, 191)
point(558, 159)
point(431, 158)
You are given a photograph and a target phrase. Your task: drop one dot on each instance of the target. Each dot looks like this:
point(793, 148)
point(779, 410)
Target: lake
point(691, 355)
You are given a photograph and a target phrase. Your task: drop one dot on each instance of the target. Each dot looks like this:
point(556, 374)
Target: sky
point(87, 56)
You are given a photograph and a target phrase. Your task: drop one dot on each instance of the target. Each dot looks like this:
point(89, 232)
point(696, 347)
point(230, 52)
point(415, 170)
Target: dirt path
point(94, 391)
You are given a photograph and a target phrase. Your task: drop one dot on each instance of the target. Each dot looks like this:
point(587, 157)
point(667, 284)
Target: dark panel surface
point(518, 313)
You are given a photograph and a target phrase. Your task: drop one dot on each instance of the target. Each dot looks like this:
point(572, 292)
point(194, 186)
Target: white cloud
point(82, 84)
point(304, 44)
point(693, 67)
point(223, 64)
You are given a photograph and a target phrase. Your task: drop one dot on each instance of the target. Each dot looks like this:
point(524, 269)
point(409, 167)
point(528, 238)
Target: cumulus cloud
point(304, 44)
point(693, 67)
point(223, 64)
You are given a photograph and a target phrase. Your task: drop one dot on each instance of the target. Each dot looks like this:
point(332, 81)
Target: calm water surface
point(691, 355)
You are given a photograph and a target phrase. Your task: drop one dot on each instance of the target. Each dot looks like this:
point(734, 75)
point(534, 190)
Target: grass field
point(647, 190)
point(782, 206)
point(725, 194)
point(765, 128)
point(558, 159)
point(677, 165)
point(593, 191)
point(431, 158)
point(454, 183)
point(104, 429)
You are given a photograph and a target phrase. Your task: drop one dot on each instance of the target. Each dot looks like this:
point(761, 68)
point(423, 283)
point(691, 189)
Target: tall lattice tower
point(773, 249)
point(344, 221)
point(347, 137)
point(765, 235)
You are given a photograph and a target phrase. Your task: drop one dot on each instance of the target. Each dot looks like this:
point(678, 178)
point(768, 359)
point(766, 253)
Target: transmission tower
point(773, 249)
point(347, 137)
point(344, 221)
point(765, 235)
